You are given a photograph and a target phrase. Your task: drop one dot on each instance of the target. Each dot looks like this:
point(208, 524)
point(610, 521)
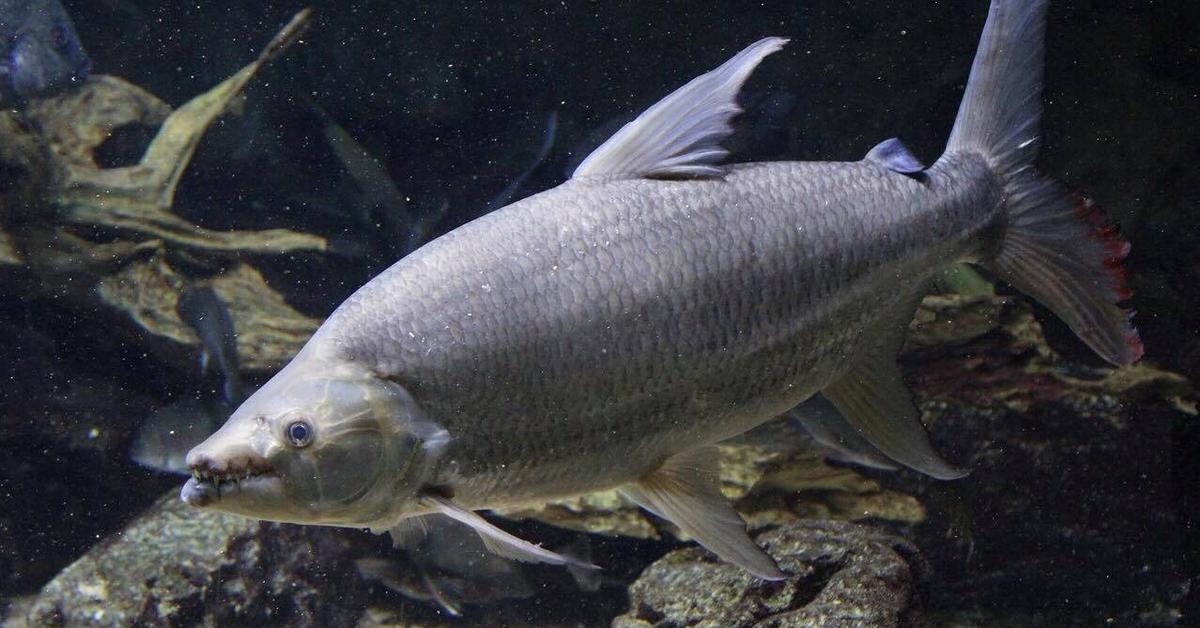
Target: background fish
point(377, 199)
point(209, 317)
point(448, 565)
point(506, 195)
point(40, 52)
point(607, 332)
point(165, 437)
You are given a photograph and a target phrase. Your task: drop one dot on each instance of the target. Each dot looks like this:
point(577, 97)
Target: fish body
point(608, 332)
point(641, 317)
point(40, 52)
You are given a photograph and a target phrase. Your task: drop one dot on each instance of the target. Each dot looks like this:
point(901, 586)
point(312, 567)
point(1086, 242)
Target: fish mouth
point(212, 481)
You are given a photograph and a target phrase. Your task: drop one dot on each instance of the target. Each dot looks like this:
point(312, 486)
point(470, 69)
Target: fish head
point(324, 442)
point(44, 54)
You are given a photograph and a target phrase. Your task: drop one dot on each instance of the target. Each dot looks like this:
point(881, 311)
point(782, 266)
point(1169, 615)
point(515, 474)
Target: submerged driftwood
point(107, 234)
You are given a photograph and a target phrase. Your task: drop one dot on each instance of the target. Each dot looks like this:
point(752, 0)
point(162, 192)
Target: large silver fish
point(606, 333)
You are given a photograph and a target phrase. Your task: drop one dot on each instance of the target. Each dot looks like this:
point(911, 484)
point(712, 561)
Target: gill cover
point(353, 446)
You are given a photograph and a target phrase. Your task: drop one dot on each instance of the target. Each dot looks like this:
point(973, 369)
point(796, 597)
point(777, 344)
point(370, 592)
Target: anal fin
point(873, 397)
point(685, 492)
point(821, 419)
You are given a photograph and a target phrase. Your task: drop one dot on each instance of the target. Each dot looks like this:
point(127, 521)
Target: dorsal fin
point(681, 134)
point(895, 156)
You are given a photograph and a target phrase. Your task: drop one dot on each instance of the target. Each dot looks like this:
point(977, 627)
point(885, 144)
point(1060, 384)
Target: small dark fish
point(40, 52)
point(372, 198)
point(506, 195)
point(376, 195)
point(589, 580)
point(164, 438)
point(962, 280)
point(590, 142)
point(209, 317)
point(448, 564)
point(413, 582)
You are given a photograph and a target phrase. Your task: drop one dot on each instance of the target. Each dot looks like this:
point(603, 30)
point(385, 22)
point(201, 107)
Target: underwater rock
point(8, 251)
point(175, 565)
point(991, 351)
point(178, 566)
point(843, 575)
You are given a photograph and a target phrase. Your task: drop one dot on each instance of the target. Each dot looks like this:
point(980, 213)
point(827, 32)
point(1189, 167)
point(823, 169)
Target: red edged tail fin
point(1055, 248)
point(1058, 249)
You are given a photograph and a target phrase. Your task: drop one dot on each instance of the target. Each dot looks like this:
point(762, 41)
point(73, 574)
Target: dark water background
point(453, 98)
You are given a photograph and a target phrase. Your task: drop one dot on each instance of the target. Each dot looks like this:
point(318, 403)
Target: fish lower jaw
point(201, 493)
point(232, 476)
point(210, 483)
point(230, 469)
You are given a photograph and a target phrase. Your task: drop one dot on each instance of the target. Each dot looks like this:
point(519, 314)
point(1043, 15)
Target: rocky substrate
point(1072, 514)
point(177, 566)
point(843, 575)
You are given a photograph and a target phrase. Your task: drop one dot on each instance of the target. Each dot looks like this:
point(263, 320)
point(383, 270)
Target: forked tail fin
point(1056, 248)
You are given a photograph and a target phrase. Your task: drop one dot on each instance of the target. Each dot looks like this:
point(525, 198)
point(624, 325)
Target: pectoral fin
point(873, 397)
point(685, 492)
point(498, 541)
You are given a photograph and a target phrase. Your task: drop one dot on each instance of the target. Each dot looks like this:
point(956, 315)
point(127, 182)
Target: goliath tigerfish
point(607, 332)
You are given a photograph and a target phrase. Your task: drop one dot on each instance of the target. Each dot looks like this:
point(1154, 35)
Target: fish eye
point(299, 433)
